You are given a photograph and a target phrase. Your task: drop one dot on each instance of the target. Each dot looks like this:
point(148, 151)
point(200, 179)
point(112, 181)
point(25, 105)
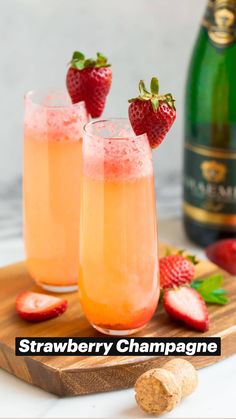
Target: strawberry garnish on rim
point(151, 113)
point(89, 80)
point(36, 307)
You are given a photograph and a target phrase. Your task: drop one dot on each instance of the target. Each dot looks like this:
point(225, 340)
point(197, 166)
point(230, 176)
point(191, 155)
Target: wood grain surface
point(67, 376)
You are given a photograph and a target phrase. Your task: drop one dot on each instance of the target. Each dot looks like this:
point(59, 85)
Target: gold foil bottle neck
point(220, 22)
point(224, 3)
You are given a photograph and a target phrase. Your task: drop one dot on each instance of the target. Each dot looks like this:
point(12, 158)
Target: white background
point(142, 38)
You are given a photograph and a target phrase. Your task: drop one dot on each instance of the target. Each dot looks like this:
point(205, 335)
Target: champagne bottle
point(210, 128)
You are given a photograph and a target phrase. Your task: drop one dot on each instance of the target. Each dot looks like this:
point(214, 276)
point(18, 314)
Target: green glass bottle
point(210, 128)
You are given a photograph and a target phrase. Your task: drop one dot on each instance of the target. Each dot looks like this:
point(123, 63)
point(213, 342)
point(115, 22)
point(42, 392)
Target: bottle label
point(220, 22)
point(210, 186)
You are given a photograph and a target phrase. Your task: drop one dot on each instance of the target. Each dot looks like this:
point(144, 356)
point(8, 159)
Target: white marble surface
point(214, 397)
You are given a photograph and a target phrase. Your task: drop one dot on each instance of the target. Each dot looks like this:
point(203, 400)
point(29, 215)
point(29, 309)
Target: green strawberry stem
point(182, 252)
point(193, 259)
point(153, 95)
point(79, 62)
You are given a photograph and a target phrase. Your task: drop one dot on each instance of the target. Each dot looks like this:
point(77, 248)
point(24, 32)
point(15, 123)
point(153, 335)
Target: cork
point(160, 390)
point(185, 374)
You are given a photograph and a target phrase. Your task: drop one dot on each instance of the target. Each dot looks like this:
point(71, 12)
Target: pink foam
point(45, 120)
point(116, 159)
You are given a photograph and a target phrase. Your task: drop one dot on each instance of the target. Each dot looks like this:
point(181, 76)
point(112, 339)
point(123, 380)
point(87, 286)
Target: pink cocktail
point(118, 280)
point(52, 177)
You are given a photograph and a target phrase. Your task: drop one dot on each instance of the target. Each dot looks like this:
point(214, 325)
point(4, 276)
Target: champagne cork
point(160, 390)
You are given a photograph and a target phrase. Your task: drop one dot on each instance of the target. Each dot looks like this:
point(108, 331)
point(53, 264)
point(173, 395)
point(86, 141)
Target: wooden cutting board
point(67, 376)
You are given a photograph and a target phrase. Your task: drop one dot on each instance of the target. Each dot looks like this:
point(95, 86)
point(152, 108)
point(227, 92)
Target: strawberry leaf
point(142, 89)
point(79, 65)
point(154, 86)
point(196, 284)
point(79, 62)
point(168, 252)
point(170, 100)
point(89, 63)
point(211, 283)
point(101, 56)
point(101, 60)
point(220, 291)
point(214, 299)
point(132, 100)
point(155, 104)
point(154, 96)
point(78, 56)
point(210, 289)
point(193, 259)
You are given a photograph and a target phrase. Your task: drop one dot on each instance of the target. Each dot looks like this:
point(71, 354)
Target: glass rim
point(28, 96)
point(127, 137)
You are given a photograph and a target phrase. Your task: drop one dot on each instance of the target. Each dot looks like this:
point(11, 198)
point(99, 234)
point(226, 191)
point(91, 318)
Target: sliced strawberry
point(151, 113)
point(36, 307)
point(89, 80)
point(187, 305)
point(175, 270)
point(223, 254)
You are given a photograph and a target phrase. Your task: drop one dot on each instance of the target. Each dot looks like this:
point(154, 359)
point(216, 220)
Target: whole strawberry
point(89, 80)
point(152, 113)
point(176, 270)
point(223, 253)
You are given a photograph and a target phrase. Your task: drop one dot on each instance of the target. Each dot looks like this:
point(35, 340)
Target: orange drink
point(118, 280)
point(52, 177)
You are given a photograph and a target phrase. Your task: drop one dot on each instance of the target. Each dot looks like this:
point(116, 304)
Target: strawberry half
point(151, 113)
point(223, 254)
point(176, 270)
point(36, 307)
point(89, 80)
point(187, 305)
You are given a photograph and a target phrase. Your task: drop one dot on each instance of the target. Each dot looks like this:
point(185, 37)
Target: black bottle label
point(210, 186)
point(220, 22)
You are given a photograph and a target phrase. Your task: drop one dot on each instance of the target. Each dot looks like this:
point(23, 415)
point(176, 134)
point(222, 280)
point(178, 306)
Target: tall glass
point(118, 280)
point(52, 177)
